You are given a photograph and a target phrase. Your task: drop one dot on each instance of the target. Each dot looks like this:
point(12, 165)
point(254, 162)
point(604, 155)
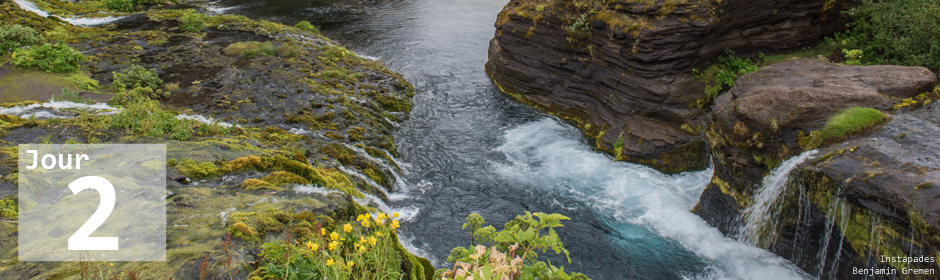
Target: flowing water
point(758, 226)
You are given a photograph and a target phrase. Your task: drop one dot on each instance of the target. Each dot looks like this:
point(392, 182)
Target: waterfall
point(758, 217)
point(838, 209)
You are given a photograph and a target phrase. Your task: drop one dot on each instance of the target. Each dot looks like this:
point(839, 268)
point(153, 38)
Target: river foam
point(632, 198)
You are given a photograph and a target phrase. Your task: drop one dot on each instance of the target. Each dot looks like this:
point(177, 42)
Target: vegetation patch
point(13, 37)
point(842, 125)
point(52, 58)
point(135, 77)
point(512, 253)
point(720, 76)
point(306, 26)
point(903, 32)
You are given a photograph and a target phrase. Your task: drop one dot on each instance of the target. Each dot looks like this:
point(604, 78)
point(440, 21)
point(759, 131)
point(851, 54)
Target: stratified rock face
point(625, 68)
point(884, 181)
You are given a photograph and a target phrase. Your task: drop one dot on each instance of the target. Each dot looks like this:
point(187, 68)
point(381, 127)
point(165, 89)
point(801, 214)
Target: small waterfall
point(838, 209)
point(758, 221)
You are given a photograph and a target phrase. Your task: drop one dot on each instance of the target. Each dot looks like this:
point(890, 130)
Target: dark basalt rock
point(630, 75)
point(885, 179)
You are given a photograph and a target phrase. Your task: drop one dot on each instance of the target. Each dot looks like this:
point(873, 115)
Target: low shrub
point(250, 49)
point(58, 35)
point(136, 77)
point(512, 252)
point(16, 36)
point(146, 117)
point(902, 32)
point(83, 82)
point(306, 26)
point(138, 94)
point(57, 58)
point(191, 23)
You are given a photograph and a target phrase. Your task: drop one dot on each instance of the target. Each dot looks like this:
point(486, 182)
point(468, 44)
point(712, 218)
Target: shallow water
point(468, 148)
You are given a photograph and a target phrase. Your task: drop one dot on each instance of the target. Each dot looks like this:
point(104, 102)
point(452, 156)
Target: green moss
point(840, 126)
point(280, 178)
point(9, 208)
point(255, 184)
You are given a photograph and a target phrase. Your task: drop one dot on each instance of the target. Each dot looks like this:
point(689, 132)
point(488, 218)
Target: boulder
point(625, 64)
point(884, 180)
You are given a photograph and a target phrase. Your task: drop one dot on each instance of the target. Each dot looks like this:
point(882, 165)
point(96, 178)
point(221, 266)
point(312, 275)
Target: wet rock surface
point(878, 185)
point(626, 67)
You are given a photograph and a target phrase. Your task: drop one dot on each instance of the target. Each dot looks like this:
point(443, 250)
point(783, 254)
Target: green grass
point(250, 49)
point(844, 124)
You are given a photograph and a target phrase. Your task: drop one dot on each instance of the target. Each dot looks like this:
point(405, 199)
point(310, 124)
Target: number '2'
point(81, 240)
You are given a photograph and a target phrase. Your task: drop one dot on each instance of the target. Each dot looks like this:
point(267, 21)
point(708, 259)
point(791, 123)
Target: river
point(468, 148)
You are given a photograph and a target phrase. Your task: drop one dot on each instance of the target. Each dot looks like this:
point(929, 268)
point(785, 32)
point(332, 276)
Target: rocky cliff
point(856, 200)
point(623, 69)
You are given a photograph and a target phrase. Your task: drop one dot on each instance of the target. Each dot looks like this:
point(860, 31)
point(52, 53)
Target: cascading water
point(759, 226)
point(635, 200)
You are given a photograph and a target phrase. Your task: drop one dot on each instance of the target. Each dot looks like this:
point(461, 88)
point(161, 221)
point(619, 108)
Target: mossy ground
point(281, 104)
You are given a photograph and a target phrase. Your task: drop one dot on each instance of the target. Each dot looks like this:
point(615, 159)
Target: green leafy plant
point(853, 57)
point(191, 22)
point(13, 37)
point(57, 58)
point(901, 32)
point(82, 81)
point(136, 77)
point(512, 252)
point(306, 26)
point(721, 76)
point(58, 35)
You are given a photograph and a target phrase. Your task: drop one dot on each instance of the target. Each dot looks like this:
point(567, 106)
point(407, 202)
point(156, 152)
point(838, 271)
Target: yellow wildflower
point(323, 231)
point(365, 223)
point(362, 240)
point(362, 249)
point(395, 224)
point(333, 245)
point(334, 236)
point(112, 264)
point(379, 234)
point(347, 227)
point(372, 240)
point(313, 246)
point(395, 214)
point(329, 262)
point(349, 264)
point(380, 217)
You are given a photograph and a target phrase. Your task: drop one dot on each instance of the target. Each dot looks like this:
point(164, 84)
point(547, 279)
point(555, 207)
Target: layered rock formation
point(878, 187)
point(623, 69)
